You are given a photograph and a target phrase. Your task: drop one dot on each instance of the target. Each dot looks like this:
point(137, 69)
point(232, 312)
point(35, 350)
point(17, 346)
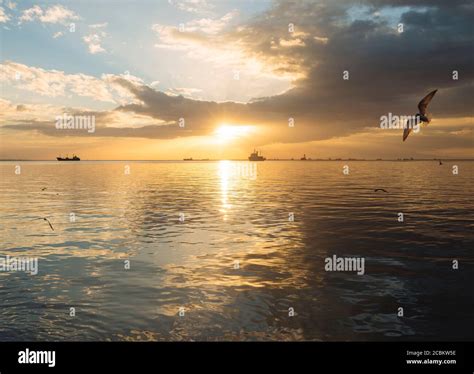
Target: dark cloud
point(388, 71)
point(415, 3)
point(200, 116)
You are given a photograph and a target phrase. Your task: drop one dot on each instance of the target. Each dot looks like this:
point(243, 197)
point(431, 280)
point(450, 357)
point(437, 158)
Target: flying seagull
point(47, 220)
point(421, 116)
point(380, 189)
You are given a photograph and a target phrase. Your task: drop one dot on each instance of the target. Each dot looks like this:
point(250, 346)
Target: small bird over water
point(47, 220)
point(422, 115)
point(380, 189)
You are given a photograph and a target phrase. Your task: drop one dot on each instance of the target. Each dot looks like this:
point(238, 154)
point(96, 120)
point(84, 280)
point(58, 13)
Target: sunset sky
point(236, 72)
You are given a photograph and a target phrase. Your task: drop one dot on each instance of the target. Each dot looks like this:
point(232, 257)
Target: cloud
point(155, 115)
point(93, 42)
point(193, 32)
point(3, 17)
point(185, 91)
point(388, 72)
point(193, 6)
point(41, 118)
point(206, 40)
point(11, 5)
point(209, 25)
point(13, 114)
point(55, 83)
point(94, 39)
point(57, 34)
point(53, 14)
point(292, 43)
point(31, 14)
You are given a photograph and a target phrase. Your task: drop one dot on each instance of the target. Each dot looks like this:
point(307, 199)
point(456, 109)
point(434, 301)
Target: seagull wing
point(423, 104)
point(406, 131)
point(49, 224)
point(44, 219)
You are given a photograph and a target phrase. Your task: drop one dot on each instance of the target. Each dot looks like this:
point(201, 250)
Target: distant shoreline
point(241, 159)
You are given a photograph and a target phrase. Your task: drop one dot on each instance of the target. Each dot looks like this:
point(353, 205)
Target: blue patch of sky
point(390, 14)
point(129, 41)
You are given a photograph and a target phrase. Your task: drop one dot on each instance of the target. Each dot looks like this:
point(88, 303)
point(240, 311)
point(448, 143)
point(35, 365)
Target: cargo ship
point(74, 158)
point(256, 157)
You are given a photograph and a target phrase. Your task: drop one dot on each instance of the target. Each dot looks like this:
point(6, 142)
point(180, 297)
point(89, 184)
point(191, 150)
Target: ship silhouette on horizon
point(74, 158)
point(256, 157)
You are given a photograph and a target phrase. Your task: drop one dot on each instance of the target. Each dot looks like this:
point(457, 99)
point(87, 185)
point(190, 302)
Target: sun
point(228, 132)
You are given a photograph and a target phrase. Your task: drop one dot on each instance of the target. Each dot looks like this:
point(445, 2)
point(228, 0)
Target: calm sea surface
point(216, 239)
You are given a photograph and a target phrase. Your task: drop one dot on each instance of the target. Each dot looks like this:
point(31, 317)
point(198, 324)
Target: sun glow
point(226, 132)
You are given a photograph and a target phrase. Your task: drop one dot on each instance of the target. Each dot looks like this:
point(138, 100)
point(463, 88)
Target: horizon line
point(245, 159)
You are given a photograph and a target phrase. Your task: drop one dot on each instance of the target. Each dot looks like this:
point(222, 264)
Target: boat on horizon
point(256, 157)
point(74, 158)
point(303, 158)
point(188, 159)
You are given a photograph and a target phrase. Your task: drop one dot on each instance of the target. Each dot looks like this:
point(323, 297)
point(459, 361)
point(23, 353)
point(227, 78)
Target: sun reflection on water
point(225, 171)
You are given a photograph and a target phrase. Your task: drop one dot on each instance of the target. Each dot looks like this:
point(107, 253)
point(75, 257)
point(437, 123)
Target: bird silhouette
point(380, 189)
point(47, 220)
point(44, 188)
point(422, 115)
